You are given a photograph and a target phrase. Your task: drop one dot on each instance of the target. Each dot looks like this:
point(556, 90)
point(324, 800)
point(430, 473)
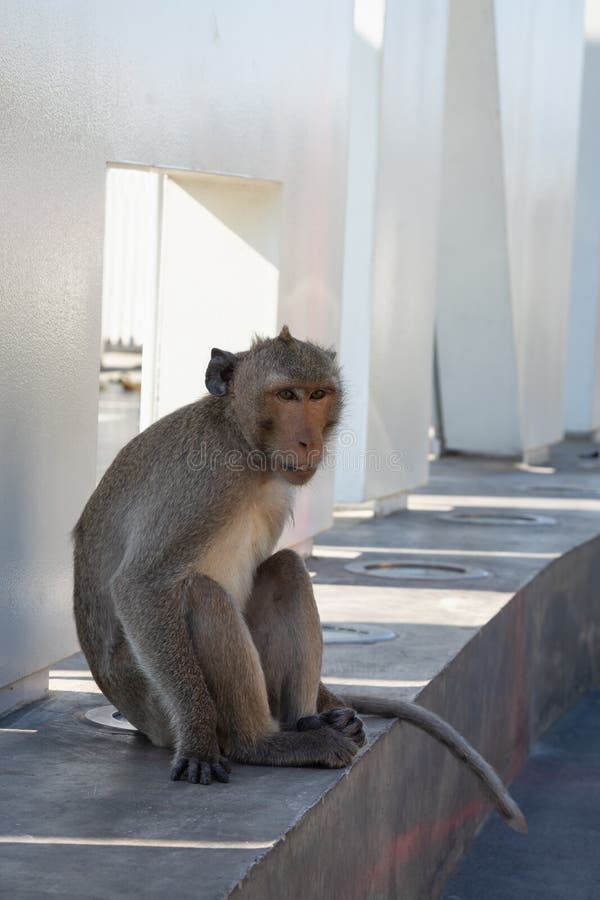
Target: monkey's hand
point(341, 719)
point(200, 771)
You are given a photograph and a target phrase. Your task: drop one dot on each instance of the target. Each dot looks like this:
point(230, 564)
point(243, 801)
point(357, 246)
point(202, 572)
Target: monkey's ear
point(219, 373)
point(285, 335)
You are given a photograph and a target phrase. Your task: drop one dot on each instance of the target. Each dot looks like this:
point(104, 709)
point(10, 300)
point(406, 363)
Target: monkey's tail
point(439, 729)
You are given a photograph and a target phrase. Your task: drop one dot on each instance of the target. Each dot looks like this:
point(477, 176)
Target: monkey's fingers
point(178, 768)
point(356, 731)
point(200, 771)
point(220, 772)
point(339, 717)
point(204, 773)
point(344, 719)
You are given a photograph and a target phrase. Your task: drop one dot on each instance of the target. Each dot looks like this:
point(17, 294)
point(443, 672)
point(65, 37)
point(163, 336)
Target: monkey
point(206, 639)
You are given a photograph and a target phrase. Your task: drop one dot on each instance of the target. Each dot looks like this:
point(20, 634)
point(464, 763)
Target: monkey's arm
point(443, 732)
point(154, 619)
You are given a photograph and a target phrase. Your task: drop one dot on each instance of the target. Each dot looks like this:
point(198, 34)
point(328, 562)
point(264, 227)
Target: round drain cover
point(496, 518)
point(355, 634)
point(109, 717)
point(415, 570)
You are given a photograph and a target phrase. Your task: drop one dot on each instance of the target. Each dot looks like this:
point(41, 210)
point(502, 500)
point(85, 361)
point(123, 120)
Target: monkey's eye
point(317, 395)
point(286, 394)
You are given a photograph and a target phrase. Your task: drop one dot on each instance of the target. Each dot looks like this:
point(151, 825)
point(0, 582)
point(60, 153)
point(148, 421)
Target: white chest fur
point(239, 548)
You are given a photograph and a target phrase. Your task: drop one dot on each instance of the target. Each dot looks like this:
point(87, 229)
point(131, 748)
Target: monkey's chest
point(239, 548)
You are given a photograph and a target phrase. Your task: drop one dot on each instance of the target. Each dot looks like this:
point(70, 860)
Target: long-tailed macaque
point(206, 640)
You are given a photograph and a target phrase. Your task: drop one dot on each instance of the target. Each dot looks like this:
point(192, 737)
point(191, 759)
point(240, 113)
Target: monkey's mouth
point(297, 474)
point(290, 467)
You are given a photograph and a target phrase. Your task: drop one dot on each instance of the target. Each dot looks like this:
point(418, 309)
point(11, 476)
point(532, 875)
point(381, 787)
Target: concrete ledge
point(91, 813)
point(399, 821)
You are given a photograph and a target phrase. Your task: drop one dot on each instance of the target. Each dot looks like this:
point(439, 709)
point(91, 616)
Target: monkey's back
point(158, 487)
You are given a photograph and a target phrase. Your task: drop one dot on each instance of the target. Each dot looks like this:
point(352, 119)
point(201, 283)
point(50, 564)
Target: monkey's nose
point(309, 446)
point(308, 453)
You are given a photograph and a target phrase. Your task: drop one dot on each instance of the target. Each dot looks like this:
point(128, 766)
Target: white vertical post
point(511, 123)
point(391, 242)
point(583, 371)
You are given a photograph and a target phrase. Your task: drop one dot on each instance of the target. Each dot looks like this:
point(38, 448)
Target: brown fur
point(201, 637)
point(177, 596)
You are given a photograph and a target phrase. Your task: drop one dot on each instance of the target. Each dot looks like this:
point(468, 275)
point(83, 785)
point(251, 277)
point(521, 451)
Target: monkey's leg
point(237, 683)
point(156, 623)
point(197, 650)
point(126, 686)
point(284, 622)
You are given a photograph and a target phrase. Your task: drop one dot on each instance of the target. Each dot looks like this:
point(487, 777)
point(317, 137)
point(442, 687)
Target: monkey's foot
point(200, 771)
point(341, 719)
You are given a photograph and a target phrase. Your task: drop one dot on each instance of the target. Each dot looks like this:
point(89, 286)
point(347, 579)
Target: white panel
point(219, 276)
point(255, 88)
point(355, 341)
point(539, 62)
point(512, 111)
point(389, 277)
point(477, 362)
point(583, 381)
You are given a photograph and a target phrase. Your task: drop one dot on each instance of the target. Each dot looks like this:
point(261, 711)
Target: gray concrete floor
point(89, 813)
point(433, 620)
point(559, 790)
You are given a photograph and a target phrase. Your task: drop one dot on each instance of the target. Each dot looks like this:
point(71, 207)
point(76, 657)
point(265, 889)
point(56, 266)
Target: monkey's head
point(286, 395)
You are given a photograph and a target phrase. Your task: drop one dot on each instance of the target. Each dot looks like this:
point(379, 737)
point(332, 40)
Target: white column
point(583, 370)
point(511, 121)
point(391, 236)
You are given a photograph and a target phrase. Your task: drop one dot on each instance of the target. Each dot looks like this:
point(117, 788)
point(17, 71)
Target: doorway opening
point(191, 261)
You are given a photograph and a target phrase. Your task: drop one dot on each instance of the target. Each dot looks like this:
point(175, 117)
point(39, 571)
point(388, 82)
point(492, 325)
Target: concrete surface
point(558, 790)
point(91, 814)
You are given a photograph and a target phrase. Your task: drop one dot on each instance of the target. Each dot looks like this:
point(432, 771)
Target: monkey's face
point(297, 418)
point(286, 397)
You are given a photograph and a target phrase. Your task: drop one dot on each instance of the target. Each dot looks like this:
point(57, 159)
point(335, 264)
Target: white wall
point(219, 276)
point(513, 81)
point(257, 89)
point(391, 242)
point(583, 378)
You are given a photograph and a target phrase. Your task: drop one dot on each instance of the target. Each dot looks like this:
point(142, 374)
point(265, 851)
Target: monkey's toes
point(345, 720)
point(199, 771)
point(341, 752)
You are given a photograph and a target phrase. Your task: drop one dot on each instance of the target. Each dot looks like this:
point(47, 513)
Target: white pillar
point(391, 236)
point(583, 370)
point(511, 120)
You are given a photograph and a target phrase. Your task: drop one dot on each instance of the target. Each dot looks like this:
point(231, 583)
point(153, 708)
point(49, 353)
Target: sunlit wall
point(253, 89)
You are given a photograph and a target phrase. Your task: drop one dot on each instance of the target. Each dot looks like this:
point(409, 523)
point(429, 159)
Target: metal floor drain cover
point(415, 570)
point(109, 717)
point(497, 518)
point(355, 634)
